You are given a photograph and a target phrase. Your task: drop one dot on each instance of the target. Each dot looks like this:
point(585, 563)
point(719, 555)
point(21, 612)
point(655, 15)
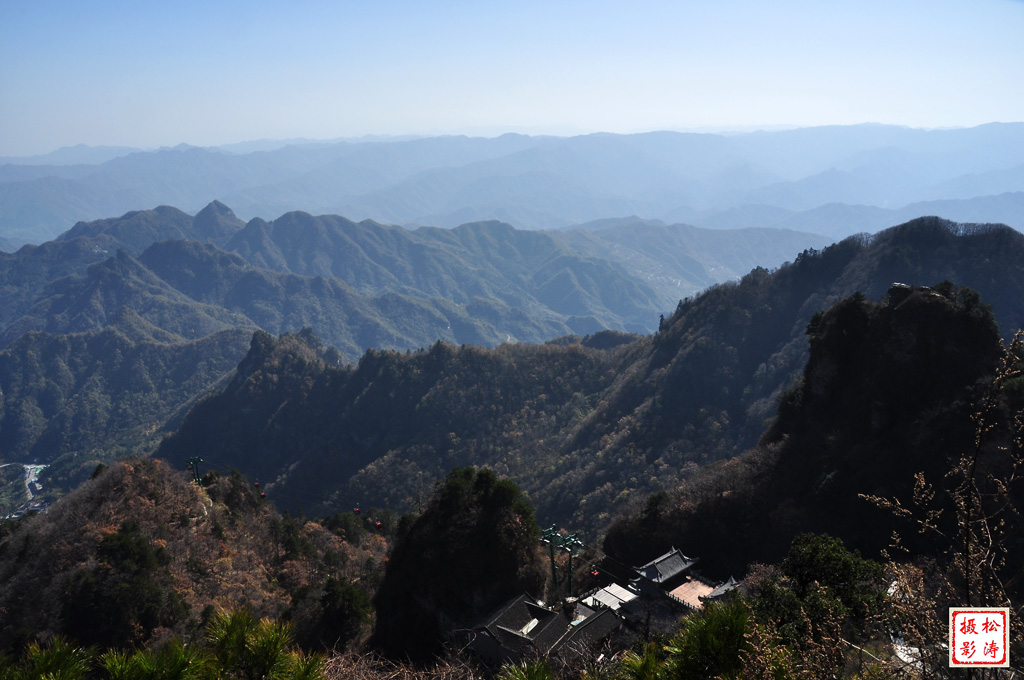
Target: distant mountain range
point(482, 283)
point(833, 181)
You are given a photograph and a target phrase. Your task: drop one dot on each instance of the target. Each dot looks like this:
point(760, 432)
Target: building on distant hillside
point(520, 629)
point(666, 571)
point(727, 587)
point(651, 600)
point(692, 592)
point(641, 610)
point(586, 636)
point(672, 574)
point(612, 596)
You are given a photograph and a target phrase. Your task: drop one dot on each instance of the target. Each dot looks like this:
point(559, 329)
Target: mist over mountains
point(834, 181)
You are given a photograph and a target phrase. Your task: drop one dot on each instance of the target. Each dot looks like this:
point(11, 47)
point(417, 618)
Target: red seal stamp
point(979, 636)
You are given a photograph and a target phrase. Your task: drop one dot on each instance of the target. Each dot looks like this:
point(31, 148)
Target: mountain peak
point(217, 207)
point(216, 222)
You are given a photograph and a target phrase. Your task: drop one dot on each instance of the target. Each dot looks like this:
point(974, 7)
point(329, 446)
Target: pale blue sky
point(152, 73)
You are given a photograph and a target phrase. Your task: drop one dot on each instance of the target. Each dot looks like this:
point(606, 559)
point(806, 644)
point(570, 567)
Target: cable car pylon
point(570, 544)
point(193, 465)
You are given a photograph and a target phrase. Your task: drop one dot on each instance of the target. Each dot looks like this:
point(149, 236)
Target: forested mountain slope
point(139, 552)
point(75, 400)
point(90, 301)
point(532, 271)
point(701, 389)
point(117, 298)
point(383, 431)
point(582, 430)
point(890, 391)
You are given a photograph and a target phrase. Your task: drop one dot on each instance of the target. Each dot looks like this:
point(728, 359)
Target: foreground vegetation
point(822, 612)
point(236, 645)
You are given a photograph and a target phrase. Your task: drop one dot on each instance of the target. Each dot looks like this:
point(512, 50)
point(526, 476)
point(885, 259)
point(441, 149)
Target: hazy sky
point(158, 72)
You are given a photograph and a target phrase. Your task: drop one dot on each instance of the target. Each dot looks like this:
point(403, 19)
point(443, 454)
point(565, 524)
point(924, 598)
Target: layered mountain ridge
point(168, 285)
point(569, 420)
point(871, 175)
point(583, 430)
